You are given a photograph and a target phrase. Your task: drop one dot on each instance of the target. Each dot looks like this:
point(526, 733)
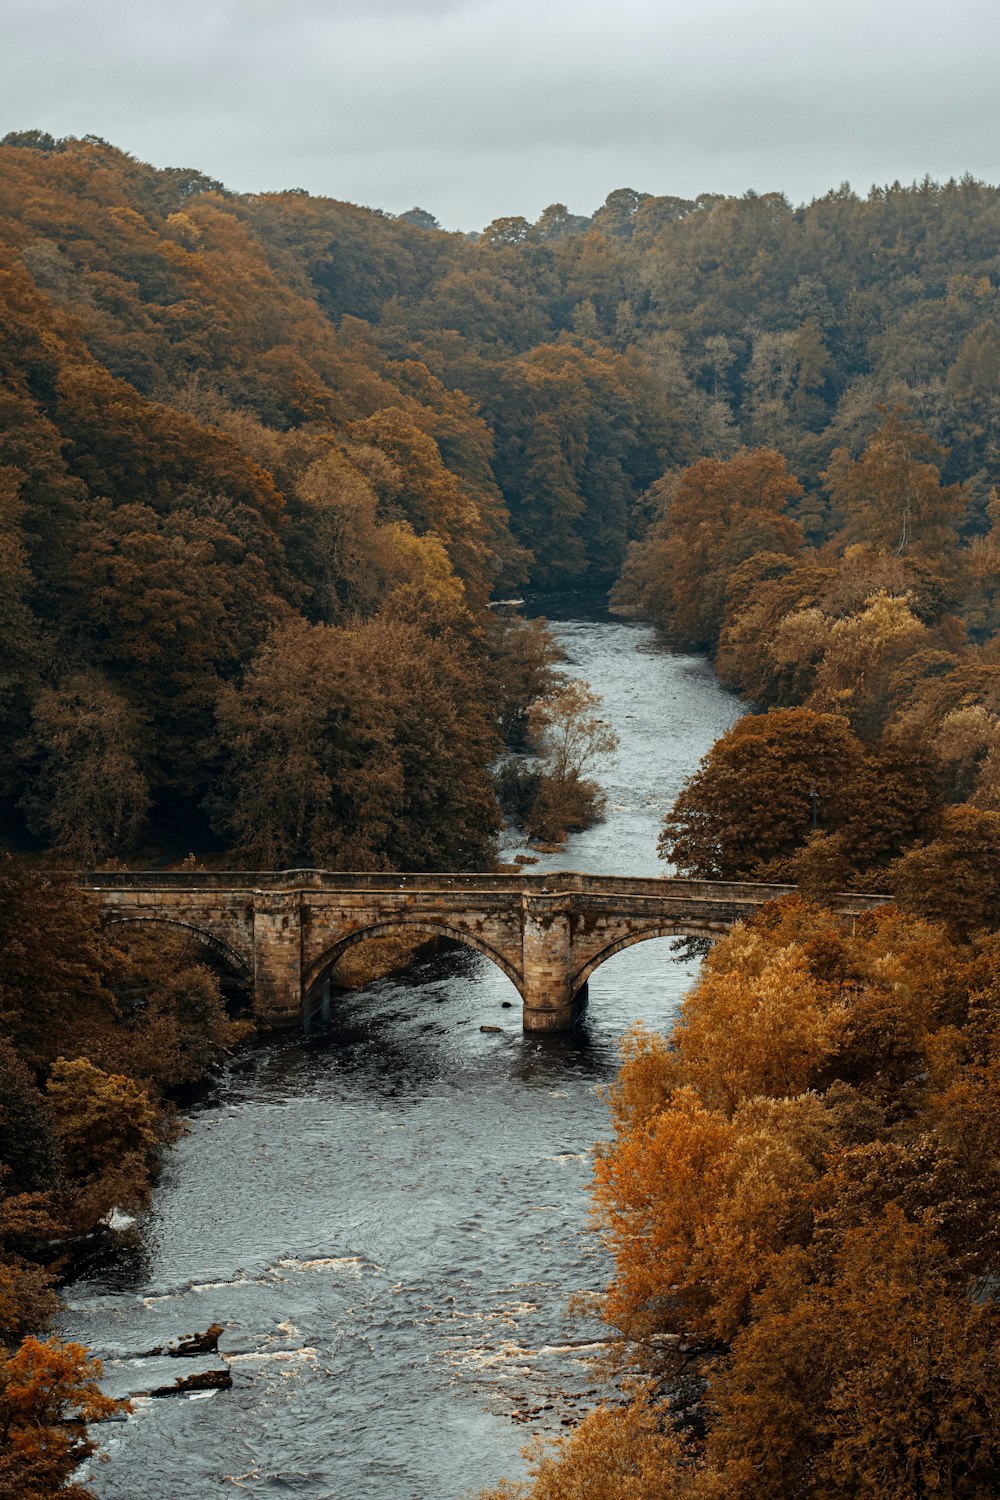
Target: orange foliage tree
point(48, 1395)
point(799, 1198)
point(715, 515)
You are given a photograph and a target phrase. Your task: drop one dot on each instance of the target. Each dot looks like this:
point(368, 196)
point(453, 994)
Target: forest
point(266, 462)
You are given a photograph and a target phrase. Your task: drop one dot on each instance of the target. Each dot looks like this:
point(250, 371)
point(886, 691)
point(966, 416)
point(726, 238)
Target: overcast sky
point(478, 108)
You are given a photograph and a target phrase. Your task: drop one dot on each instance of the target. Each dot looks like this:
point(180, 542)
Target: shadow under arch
point(240, 966)
point(657, 930)
point(320, 970)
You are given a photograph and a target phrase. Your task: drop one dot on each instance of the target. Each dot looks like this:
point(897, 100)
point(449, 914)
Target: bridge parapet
point(548, 932)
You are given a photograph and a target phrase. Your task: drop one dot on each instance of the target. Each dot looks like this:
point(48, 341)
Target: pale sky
point(479, 108)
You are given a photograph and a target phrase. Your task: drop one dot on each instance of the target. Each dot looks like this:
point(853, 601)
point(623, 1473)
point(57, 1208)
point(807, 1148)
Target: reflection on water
point(388, 1212)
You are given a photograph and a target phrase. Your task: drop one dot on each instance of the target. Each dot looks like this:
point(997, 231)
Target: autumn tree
point(172, 1026)
point(88, 795)
point(623, 1452)
point(56, 966)
point(310, 771)
point(25, 652)
point(715, 515)
point(955, 877)
point(522, 656)
point(760, 594)
point(851, 660)
point(413, 485)
point(49, 1394)
point(750, 802)
point(873, 1378)
point(337, 545)
point(787, 1004)
point(800, 1236)
point(98, 1117)
point(570, 739)
point(749, 810)
point(981, 604)
point(893, 496)
point(29, 1225)
point(94, 1032)
point(357, 749)
point(445, 739)
point(28, 1149)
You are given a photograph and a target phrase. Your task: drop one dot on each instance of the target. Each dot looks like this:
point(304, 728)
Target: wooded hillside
point(264, 462)
point(238, 431)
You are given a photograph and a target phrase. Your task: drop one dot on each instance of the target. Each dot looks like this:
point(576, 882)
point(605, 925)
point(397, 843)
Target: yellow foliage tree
point(99, 1117)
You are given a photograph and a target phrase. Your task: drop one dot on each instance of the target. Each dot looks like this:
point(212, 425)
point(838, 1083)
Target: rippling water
point(388, 1213)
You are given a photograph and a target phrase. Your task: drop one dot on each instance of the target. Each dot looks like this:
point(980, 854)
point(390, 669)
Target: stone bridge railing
point(283, 932)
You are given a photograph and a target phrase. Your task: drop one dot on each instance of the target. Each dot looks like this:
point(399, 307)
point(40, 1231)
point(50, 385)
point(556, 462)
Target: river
point(389, 1213)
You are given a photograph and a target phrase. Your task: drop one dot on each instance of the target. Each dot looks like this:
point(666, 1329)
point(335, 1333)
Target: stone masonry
point(283, 932)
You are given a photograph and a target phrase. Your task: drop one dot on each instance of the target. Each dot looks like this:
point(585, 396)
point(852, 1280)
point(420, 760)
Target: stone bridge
point(282, 933)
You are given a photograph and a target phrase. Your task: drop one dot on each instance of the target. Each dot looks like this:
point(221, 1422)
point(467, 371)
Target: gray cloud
point(475, 108)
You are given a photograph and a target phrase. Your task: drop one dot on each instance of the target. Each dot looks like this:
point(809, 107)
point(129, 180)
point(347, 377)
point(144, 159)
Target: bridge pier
point(277, 957)
point(549, 1002)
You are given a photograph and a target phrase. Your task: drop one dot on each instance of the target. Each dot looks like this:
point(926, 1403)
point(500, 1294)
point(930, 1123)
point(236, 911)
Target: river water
point(389, 1213)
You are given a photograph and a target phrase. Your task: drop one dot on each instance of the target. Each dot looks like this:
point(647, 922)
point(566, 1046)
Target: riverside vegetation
point(802, 1189)
point(264, 461)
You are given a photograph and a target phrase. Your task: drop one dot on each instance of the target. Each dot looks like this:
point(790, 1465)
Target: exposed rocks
point(157, 1375)
point(155, 1372)
point(218, 1379)
point(568, 1408)
point(198, 1343)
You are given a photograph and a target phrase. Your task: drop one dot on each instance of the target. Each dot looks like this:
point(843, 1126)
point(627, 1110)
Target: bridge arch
point(320, 970)
point(687, 928)
point(238, 963)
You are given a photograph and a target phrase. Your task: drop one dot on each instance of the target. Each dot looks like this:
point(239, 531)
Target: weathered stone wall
point(284, 931)
point(547, 961)
point(277, 953)
point(223, 920)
